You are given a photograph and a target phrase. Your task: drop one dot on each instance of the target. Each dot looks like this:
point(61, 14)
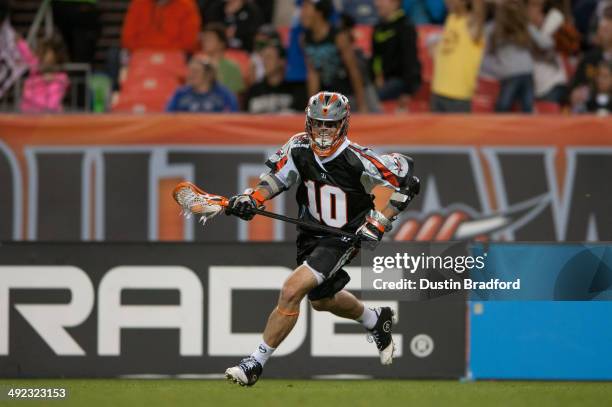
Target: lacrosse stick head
point(193, 200)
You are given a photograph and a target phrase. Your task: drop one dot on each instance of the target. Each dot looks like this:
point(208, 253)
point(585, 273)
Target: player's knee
point(291, 294)
point(321, 305)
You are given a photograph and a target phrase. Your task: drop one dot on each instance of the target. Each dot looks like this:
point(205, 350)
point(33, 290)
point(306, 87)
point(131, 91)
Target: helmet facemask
point(325, 135)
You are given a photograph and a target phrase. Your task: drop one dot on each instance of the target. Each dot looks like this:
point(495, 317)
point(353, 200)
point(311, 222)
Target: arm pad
point(272, 184)
point(400, 199)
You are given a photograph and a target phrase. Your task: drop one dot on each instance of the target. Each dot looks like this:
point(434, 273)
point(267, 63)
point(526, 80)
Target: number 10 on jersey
point(330, 208)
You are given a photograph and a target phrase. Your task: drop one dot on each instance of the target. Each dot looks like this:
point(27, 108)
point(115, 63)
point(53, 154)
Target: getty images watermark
point(420, 271)
point(457, 264)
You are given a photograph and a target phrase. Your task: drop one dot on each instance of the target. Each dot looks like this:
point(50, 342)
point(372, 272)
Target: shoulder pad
point(278, 159)
point(299, 140)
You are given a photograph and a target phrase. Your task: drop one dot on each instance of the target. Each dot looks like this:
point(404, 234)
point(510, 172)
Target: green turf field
point(153, 393)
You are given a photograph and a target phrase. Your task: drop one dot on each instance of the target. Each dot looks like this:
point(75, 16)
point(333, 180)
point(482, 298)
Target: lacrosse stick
point(194, 200)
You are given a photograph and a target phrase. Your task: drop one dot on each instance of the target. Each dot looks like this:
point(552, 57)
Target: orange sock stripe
point(287, 313)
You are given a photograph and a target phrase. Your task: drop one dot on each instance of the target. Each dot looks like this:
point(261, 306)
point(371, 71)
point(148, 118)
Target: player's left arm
point(399, 199)
point(376, 222)
point(392, 193)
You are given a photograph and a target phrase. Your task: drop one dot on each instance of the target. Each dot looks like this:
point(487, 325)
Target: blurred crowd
point(385, 55)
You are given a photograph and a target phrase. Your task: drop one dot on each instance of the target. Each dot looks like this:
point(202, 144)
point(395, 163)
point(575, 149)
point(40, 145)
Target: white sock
point(262, 353)
point(368, 318)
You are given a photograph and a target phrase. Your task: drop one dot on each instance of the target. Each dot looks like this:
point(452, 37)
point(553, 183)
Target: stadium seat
point(152, 77)
point(389, 106)
point(148, 83)
point(147, 93)
point(419, 102)
point(170, 63)
point(131, 104)
point(485, 96)
point(547, 108)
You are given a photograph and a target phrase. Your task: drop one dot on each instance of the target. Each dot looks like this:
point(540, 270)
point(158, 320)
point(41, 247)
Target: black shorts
point(326, 255)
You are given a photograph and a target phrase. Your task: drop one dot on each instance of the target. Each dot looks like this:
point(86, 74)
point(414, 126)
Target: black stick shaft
point(308, 225)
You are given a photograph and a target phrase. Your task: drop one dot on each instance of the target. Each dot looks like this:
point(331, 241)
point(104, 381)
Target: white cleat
point(236, 375)
point(246, 373)
point(381, 334)
point(386, 355)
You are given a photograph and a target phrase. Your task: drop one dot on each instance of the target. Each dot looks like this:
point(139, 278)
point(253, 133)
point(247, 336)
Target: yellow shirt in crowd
point(457, 60)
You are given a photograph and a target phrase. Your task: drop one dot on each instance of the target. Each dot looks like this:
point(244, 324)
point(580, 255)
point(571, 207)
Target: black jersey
point(335, 190)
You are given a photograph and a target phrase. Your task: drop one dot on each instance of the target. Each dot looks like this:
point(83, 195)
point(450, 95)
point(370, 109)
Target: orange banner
point(18, 130)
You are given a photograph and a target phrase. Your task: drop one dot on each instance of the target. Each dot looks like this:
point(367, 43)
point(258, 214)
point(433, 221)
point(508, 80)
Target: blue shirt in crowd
point(296, 66)
point(425, 11)
point(218, 99)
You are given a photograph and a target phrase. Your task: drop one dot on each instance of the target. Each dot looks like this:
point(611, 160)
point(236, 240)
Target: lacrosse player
point(339, 184)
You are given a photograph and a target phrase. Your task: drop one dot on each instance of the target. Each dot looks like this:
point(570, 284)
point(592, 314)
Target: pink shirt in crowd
point(42, 92)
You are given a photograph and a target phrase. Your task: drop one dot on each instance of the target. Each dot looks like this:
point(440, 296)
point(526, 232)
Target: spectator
point(267, 8)
point(273, 94)
point(425, 11)
point(567, 37)
point(591, 37)
point(241, 18)
point(583, 12)
point(330, 59)
point(458, 56)
point(203, 93)
point(214, 44)
point(79, 23)
point(600, 98)
point(362, 12)
point(588, 65)
point(296, 65)
point(395, 65)
point(549, 77)
point(265, 34)
point(161, 24)
point(13, 64)
point(511, 39)
point(45, 87)
point(347, 24)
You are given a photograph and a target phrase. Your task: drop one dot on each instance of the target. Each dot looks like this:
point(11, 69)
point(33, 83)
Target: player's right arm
point(281, 176)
